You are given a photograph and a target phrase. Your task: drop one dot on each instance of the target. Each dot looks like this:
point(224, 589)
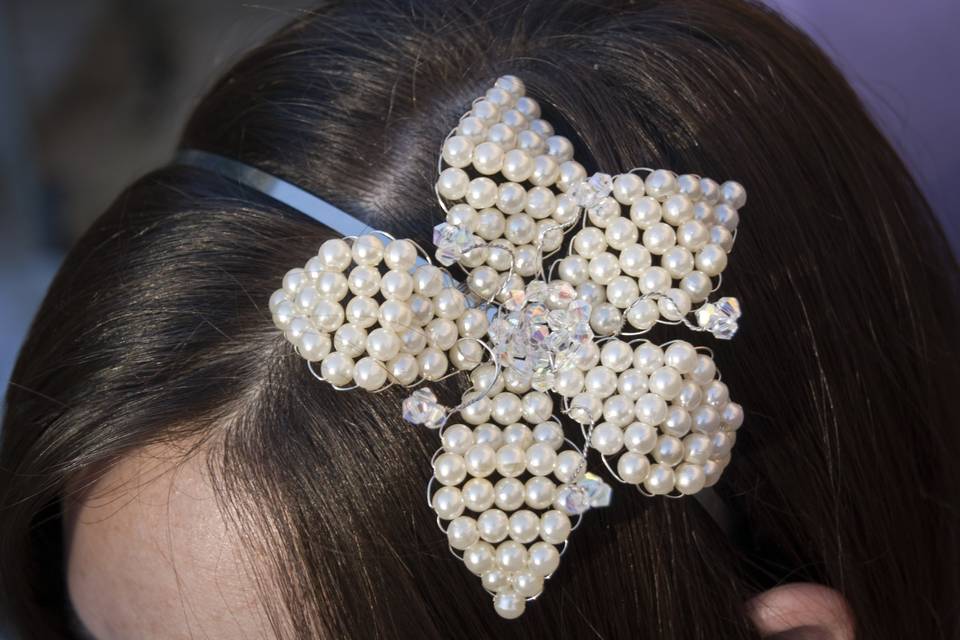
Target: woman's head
point(153, 374)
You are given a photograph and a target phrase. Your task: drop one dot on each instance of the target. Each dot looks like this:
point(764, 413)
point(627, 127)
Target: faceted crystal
point(588, 492)
point(591, 191)
point(452, 242)
point(421, 407)
point(720, 317)
point(598, 491)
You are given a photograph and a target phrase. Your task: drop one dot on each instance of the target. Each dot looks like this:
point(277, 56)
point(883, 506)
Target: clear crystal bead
point(421, 407)
point(591, 191)
point(599, 492)
point(720, 317)
point(573, 499)
point(452, 242)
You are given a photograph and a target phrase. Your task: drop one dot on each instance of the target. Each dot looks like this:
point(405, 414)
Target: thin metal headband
point(508, 485)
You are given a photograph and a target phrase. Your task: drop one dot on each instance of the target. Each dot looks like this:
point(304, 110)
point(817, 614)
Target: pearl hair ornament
point(546, 340)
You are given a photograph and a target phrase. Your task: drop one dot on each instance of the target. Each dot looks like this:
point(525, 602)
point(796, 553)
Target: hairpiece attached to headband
point(541, 336)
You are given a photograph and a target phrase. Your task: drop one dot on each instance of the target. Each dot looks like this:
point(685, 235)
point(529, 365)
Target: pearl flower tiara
point(562, 274)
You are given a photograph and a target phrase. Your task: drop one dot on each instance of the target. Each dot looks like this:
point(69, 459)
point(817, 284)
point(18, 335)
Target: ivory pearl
point(541, 459)
point(570, 173)
point(362, 311)
point(665, 382)
point(524, 527)
point(677, 209)
point(458, 151)
point(603, 268)
point(651, 409)
point(616, 355)
point(543, 558)
point(621, 233)
point(635, 259)
point(606, 319)
point(492, 525)
point(477, 494)
point(681, 356)
point(645, 212)
point(449, 469)
point(313, 346)
point(689, 478)
point(545, 172)
point(367, 250)
point(659, 237)
point(640, 437)
point(337, 369)
point(660, 479)
point(537, 407)
point(689, 185)
point(668, 450)
point(479, 557)
point(633, 467)
point(540, 203)
point(448, 503)
point(648, 357)
point(677, 423)
point(400, 255)
point(433, 363)
point(570, 466)
point(509, 604)
point(569, 382)
point(711, 260)
point(549, 433)
point(480, 460)
point(369, 374)
point(335, 254)
point(627, 187)
point(697, 448)
point(554, 526)
point(511, 461)
point(527, 583)
point(605, 212)
point(618, 410)
point(472, 128)
point(488, 158)
point(403, 369)
point(481, 192)
point(661, 184)
point(607, 438)
point(485, 433)
point(509, 494)
point(517, 165)
point(697, 285)
point(364, 280)
point(462, 532)
point(511, 555)
point(507, 408)
point(589, 242)
point(632, 384)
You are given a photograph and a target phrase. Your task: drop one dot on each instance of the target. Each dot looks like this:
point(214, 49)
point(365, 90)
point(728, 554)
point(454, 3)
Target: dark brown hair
point(156, 329)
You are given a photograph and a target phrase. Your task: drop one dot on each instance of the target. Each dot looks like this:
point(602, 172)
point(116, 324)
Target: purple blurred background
point(93, 93)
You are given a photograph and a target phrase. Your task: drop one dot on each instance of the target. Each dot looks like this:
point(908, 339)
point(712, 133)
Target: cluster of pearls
point(373, 313)
point(648, 248)
point(498, 481)
point(662, 412)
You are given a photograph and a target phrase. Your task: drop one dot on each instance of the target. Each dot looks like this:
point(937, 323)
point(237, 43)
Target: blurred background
point(93, 93)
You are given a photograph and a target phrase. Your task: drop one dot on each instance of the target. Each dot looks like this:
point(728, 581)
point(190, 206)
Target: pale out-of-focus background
point(93, 93)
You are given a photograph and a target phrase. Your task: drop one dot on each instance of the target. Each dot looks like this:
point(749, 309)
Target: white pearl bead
point(450, 304)
point(541, 459)
point(332, 285)
point(531, 142)
point(496, 580)
point(732, 416)
point(661, 184)
point(648, 357)
point(526, 261)
point(603, 268)
point(477, 494)
point(457, 438)
point(541, 127)
point(528, 107)
point(633, 467)
point(449, 469)
point(479, 557)
point(677, 423)
point(605, 212)
point(733, 194)
point(520, 229)
point(689, 185)
point(682, 356)
point(632, 384)
point(705, 419)
point(306, 298)
point(607, 438)
point(570, 466)
point(689, 478)
point(627, 187)
point(527, 583)
point(606, 319)
point(452, 183)
point(466, 355)
point(485, 433)
point(488, 158)
point(587, 356)
point(616, 355)
point(540, 203)
point(703, 213)
point(511, 555)
point(668, 450)
point(704, 371)
point(573, 269)
point(296, 328)
point(277, 297)
point(537, 407)
point(654, 280)
point(591, 292)
point(622, 292)
point(560, 148)
point(549, 433)
point(678, 262)
point(710, 190)
point(367, 250)
point(448, 503)
point(313, 346)
point(569, 382)
point(524, 526)
point(350, 340)
point(511, 461)
point(640, 437)
point(697, 285)
point(545, 172)
point(645, 212)
point(490, 224)
point(677, 209)
point(433, 364)
point(516, 381)
point(335, 254)
point(543, 558)
point(600, 382)
point(517, 165)
point(486, 111)
point(618, 410)
point(314, 268)
point(327, 315)
point(472, 128)
point(716, 394)
point(400, 255)
point(660, 479)
point(723, 442)
point(383, 344)
point(507, 408)
point(413, 341)
point(502, 136)
point(728, 218)
point(362, 311)
point(665, 382)
point(589, 242)
point(364, 280)
point(511, 197)
point(635, 259)
point(697, 448)
point(337, 369)
point(492, 525)
point(462, 532)
point(512, 84)
point(651, 409)
point(481, 460)
point(689, 397)
point(403, 369)
point(693, 234)
point(481, 193)
point(509, 494)
point(570, 173)
point(458, 151)
point(395, 315)
point(711, 260)
point(509, 604)
point(621, 233)
point(659, 237)
point(549, 234)
point(554, 526)
point(441, 333)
